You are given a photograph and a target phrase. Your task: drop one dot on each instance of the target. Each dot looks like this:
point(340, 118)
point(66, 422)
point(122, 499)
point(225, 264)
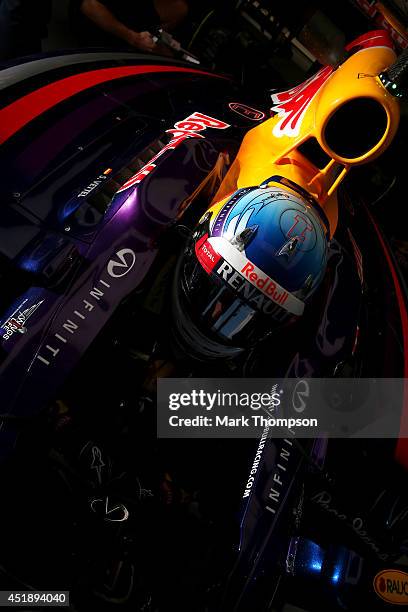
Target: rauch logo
point(392, 586)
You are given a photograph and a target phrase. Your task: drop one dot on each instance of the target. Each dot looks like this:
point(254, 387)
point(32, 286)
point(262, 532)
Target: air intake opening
point(356, 128)
point(314, 153)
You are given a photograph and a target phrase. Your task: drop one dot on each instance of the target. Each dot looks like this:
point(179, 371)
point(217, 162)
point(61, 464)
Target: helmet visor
point(235, 314)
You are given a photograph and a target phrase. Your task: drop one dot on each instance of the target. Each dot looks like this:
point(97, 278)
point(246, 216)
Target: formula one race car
point(157, 223)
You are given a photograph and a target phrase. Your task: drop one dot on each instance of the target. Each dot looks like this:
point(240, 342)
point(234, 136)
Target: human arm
point(106, 20)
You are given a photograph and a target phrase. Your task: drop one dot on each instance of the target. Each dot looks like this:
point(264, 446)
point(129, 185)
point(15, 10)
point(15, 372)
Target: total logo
point(206, 254)
point(190, 127)
point(392, 586)
point(119, 265)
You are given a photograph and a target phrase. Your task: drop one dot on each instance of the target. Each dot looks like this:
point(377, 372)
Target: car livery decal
point(379, 13)
point(118, 266)
point(94, 184)
point(187, 128)
point(27, 108)
point(391, 585)
point(246, 111)
point(241, 273)
point(292, 104)
point(16, 322)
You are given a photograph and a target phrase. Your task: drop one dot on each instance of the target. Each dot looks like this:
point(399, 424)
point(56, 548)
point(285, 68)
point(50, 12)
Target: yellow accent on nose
point(262, 154)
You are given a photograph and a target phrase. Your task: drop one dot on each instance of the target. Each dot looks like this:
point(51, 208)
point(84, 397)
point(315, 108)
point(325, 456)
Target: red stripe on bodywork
point(19, 113)
point(401, 452)
point(375, 38)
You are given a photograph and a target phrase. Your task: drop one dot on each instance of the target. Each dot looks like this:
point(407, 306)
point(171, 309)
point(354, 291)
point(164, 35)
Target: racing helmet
point(252, 264)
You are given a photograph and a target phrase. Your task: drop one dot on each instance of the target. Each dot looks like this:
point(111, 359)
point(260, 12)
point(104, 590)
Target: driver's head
point(254, 261)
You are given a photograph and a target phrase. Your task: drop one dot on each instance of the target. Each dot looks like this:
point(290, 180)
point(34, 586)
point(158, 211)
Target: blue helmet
point(254, 264)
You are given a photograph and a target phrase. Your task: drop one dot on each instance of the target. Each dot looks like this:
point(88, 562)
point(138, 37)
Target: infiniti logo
point(299, 396)
point(123, 264)
point(95, 299)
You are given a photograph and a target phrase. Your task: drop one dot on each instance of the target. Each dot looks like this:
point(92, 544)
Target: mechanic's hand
point(141, 40)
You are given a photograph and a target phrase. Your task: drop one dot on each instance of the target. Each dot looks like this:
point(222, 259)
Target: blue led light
point(336, 576)
point(68, 210)
point(316, 565)
point(313, 556)
point(30, 265)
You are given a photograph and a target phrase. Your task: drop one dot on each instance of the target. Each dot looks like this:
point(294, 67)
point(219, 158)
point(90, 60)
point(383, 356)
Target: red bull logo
point(265, 284)
point(187, 128)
